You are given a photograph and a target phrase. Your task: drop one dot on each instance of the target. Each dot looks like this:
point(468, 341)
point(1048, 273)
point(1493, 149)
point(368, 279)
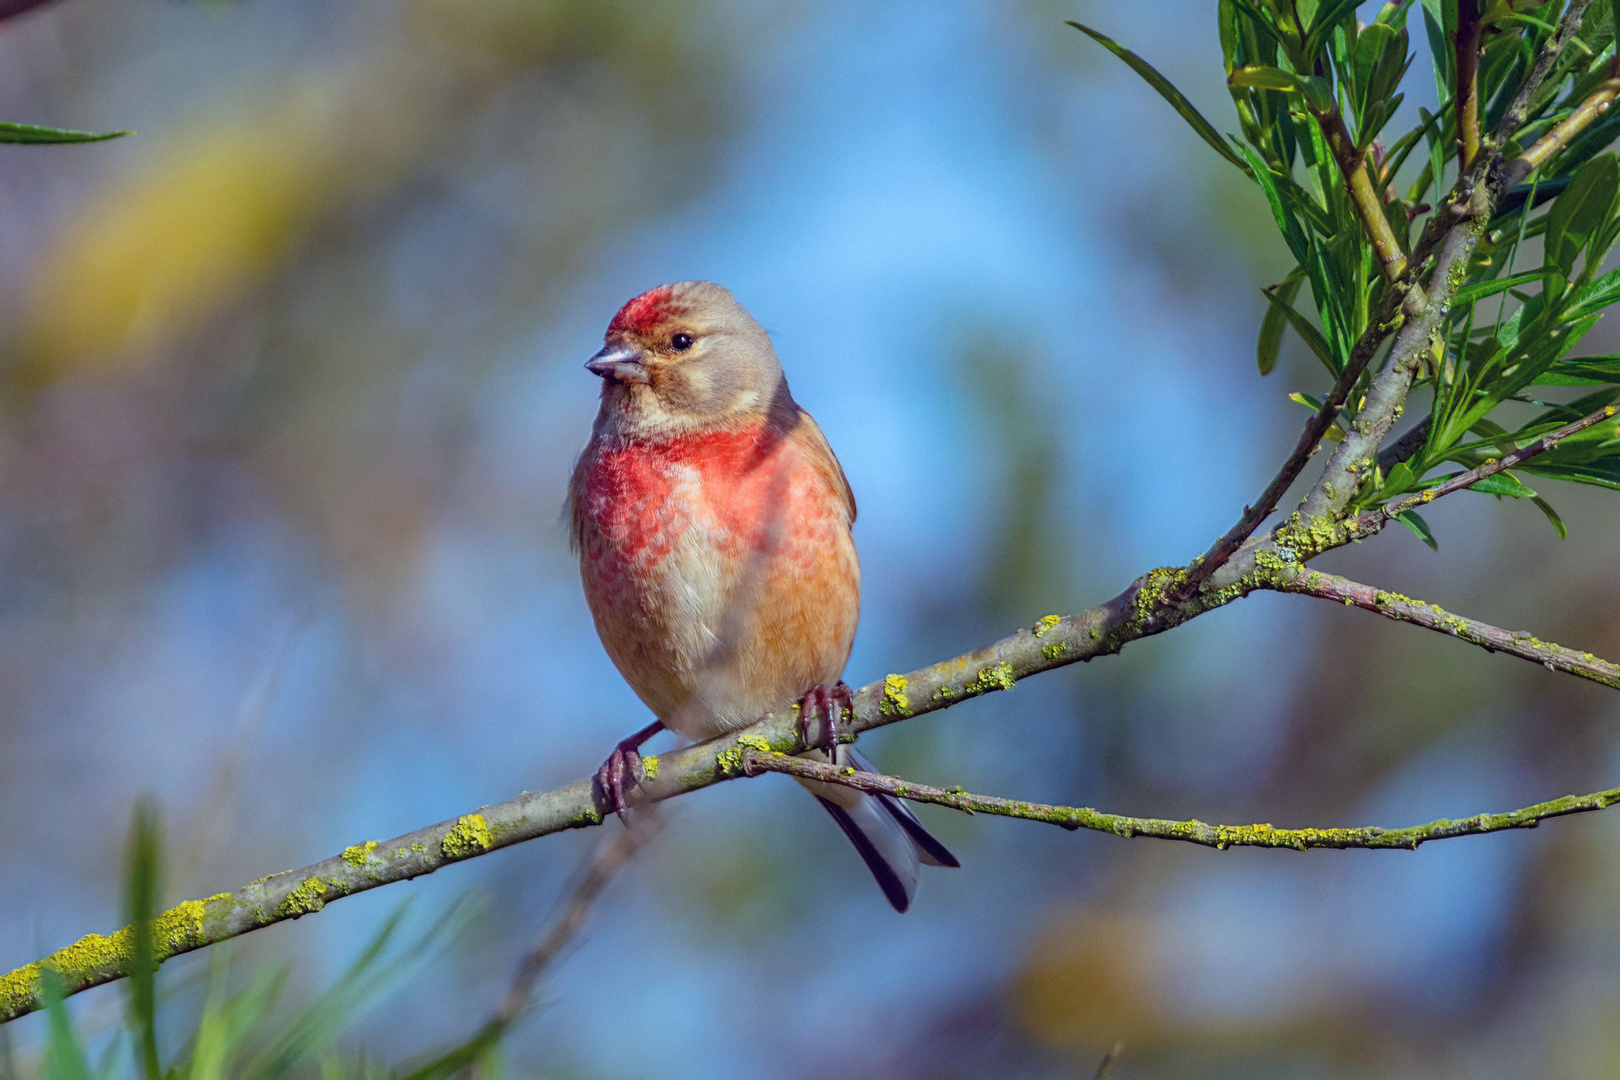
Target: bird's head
point(686, 358)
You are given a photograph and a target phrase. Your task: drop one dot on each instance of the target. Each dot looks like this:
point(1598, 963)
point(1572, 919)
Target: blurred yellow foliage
point(168, 240)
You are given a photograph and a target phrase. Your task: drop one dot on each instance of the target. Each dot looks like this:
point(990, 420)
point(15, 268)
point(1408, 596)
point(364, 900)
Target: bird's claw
point(619, 775)
point(621, 772)
point(830, 703)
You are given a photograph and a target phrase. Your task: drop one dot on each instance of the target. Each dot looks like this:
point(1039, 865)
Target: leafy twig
point(1564, 132)
point(1363, 525)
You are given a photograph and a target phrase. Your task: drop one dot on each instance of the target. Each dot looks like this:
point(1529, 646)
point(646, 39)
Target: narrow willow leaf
point(1399, 479)
point(1420, 528)
point(1308, 333)
point(1286, 223)
point(1469, 294)
point(1327, 17)
point(1552, 516)
point(33, 133)
point(141, 907)
point(1272, 325)
point(1598, 295)
point(1260, 77)
point(1581, 210)
point(1604, 472)
point(1176, 98)
point(1503, 484)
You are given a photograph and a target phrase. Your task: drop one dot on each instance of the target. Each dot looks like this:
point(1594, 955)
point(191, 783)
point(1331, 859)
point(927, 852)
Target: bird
point(712, 522)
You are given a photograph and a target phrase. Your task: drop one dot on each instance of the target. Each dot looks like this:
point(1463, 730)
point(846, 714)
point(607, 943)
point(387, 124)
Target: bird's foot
point(830, 703)
point(621, 772)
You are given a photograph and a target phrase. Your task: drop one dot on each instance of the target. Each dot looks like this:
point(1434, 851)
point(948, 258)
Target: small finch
point(712, 523)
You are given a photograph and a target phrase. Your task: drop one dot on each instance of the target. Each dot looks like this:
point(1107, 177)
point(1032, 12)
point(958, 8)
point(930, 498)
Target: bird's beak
point(618, 362)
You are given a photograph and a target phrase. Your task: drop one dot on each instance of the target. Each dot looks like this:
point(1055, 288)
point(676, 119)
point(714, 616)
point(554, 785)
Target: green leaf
point(1329, 15)
point(1604, 472)
point(33, 133)
point(1398, 480)
point(1502, 484)
point(1176, 98)
point(1581, 210)
point(1420, 528)
point(1552, 516)
point(1598, 295)
point(1260, 77)
point(1286, 222)
point(1271, 326)
point(1308, 333)
point(1470, 294)
point(1582, 371)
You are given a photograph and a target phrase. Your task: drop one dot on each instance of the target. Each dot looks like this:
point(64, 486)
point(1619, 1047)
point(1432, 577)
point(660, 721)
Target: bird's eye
point(680, 342)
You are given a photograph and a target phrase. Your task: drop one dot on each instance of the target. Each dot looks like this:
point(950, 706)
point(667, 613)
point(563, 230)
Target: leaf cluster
point(1317, 94)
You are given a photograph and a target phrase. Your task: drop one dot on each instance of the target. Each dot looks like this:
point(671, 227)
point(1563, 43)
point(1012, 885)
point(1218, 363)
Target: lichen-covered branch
point(1220, 837)
point(1055, 641)
point(1392, 605)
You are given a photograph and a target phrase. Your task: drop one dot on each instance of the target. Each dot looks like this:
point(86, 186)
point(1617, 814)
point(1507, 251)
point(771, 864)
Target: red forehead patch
point(646, 311)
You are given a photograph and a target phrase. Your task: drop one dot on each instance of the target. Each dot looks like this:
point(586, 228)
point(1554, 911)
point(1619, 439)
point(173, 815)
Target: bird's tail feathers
point(888, 836)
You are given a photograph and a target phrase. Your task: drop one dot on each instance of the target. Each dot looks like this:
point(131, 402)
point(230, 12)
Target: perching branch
point(1054, 642)
point(1391, 605)
point(1220, 837)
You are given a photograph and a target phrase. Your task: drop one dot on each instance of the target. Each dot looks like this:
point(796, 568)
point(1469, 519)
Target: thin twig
point(1106, 1065)
point(1363, 193)
point(1391, 605)
point(611, 855)
point(1257, 512)
point(1363, 525)
point(1220, 837)
point(12, 8)
point(1467, 66)
point(1564, 132)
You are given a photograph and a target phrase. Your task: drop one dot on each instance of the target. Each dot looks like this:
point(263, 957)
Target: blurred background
point(290, 386)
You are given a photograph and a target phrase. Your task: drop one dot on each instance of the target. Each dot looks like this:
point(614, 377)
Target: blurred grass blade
point(1176, 98)
point(35, 134)
point(64, 1055)
point(145, 854)
point(1420, 528)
